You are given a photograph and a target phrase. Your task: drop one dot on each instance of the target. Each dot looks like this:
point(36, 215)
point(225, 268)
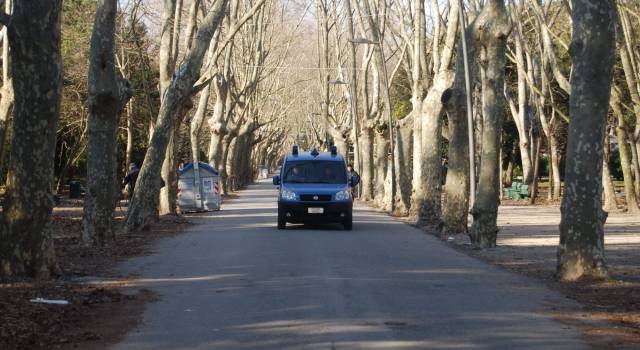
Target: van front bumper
point(298, 212)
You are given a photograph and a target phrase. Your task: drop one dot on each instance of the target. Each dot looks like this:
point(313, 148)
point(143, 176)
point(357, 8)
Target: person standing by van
point(353, 175)
point(130, 180)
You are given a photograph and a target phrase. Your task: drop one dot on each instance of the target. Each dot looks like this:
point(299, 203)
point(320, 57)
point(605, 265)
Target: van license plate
point(315, 210)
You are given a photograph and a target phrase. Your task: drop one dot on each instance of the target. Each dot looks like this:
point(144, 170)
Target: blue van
point(314, 187)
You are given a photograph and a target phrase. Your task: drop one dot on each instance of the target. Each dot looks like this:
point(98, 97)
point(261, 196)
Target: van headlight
point(343, 195)
point(287, 195)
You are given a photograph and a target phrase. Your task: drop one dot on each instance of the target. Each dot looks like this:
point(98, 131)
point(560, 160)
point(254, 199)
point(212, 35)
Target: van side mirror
point(354, 180)
point(276, 180)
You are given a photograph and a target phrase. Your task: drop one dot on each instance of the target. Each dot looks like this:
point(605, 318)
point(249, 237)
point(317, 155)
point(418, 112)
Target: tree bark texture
point(521, 114)
point(418, 73)
point(625, 154)
point(366, 173)
point(167, 64)
point(581, 248)
point(106, 100)
point(610, 201)
point(429, 197)
point(381, 160)
point(7, 99)
point(26, 246)
point(404, 147)
point(196, 123)
point(555, 166)
point(536, 169)
point(492, 30)
point(217, 122)
point(455, 207)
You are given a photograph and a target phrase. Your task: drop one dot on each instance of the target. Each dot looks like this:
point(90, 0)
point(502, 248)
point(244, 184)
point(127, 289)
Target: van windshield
point(315, 171)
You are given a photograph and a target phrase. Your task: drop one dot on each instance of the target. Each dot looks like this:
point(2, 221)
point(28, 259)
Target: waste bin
point(198, 188)
point(263, 172)
point(75, 189)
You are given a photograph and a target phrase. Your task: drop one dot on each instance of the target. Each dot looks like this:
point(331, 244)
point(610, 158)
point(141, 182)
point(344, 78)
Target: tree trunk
point(429, 201)
point(404, 137)
point(129, 148)
point(217, 122)
point(230, 164)
point(536, 170)
point(167, 198)
point(581, 249)
point(376, 32)
point(167, 64)
point(7, 99)
point(366, 173)
point(512, 159)
point(455, 208)
point(492, 30)
point(521, 115)
point(627, 58)
point(26, 246)
point(610, 201)
point(196, 123)
point(168, 55)
point(555, 167)
point(635, 164)
point(106, 100)
point(145, 197)
point(417, 90)
point(625, 155)
point(380, 167)
point(227, 145)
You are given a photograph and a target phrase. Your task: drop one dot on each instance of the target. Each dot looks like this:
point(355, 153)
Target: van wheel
point(282, 223)
point(348, 222)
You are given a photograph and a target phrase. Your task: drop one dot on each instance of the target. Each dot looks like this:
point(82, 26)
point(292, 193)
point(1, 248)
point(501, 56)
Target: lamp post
point(385, 79)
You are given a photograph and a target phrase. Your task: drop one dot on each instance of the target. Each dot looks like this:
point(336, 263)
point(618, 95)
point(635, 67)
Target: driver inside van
point(329, 175)
point(296, 175)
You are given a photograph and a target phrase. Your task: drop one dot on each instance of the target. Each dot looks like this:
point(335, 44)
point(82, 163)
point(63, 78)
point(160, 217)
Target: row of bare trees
point(545, 67)
point(421, 92)
point(213, 59)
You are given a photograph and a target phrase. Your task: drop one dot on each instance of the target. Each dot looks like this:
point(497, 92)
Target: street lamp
point(385, 76)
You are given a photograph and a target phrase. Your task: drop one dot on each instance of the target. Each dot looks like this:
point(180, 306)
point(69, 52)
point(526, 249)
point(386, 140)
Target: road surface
point(236, 282)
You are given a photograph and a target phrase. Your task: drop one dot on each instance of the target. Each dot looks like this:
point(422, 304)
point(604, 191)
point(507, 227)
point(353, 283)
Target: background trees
point(236, 83)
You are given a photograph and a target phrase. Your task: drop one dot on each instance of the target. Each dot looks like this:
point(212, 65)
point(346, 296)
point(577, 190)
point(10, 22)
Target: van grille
point(320, 197)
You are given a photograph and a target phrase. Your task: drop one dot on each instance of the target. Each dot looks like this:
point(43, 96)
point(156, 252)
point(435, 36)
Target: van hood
point(315, 188)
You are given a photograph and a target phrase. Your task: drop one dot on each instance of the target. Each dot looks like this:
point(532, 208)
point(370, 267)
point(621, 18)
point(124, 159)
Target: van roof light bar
point(294, 150)
point(334, 150)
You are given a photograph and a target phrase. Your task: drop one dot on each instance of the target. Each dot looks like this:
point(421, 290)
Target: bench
point(517, 191)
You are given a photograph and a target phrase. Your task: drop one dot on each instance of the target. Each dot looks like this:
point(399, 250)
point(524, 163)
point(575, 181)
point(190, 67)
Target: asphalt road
point(236, 282)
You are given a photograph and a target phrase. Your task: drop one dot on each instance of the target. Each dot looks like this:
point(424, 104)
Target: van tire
point(282, 222)
point(348, 222)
